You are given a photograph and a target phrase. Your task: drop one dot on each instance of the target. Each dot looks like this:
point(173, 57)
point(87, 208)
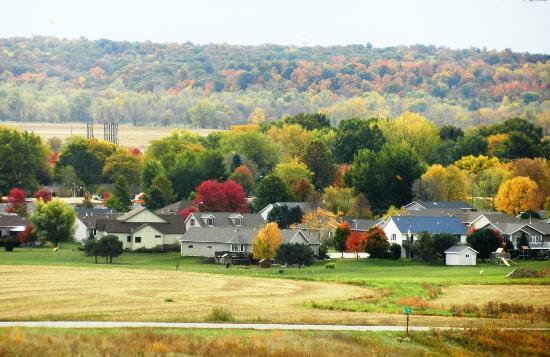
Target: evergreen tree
point(159, 194)
point(120, 197)
point(319, 159)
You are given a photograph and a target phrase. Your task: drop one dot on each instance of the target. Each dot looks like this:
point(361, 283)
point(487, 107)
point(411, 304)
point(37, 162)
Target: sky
point(521, 25)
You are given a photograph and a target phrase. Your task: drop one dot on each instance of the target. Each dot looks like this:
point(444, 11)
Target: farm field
point(105, 342)
point(129, 135)
point(367, 291)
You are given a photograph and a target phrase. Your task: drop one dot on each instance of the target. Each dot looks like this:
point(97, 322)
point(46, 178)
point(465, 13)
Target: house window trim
point(128, 239)
point(136, 240)
point(192, 222)
point(209, 220)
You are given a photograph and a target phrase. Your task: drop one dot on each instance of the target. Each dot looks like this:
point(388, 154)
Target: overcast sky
point(521, 25)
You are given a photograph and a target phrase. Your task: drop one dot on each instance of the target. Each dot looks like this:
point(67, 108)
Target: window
point(157, 235)
point(190, 246)
point(394, 236)
point(210, 221)
point(242, 247)
point(192, 222)
point(95, 231)
point(239, 222)
point(129, 239)
point(137, 239)
point(209, 246)
point(535, 239)
point(467, 255)
point(234, 247)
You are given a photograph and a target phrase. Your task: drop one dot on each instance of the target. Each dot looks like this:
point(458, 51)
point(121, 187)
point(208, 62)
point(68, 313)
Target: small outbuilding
point(460, 255)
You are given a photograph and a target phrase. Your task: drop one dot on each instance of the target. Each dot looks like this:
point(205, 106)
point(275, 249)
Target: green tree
point(255, 146)
point(319, 159)
point(53, 221)
point(356, 134)
point(338, 199)
point(341, 235)
point(67, 179)
point(120, 197)
point(110, 246)
point(92, 249)
point(296, 253)
point(123, 163)
point(485, 241)
point(309, 121)
point(442, 242)
point(271, 189)
point(386, 178)
point(159, 194)
point(285, 216)
point(243, 176)
point(151, 169)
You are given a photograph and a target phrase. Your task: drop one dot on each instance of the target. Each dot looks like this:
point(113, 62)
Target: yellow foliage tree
point(517, 195)
point(443, 183)
point(267, 241)
point(257, 116)
point(338, 199)
point(476, 164)
point(496, 144)
point(293, 139)
point(414, 129)
point(319, 220)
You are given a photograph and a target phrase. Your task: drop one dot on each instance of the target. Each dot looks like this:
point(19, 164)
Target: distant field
point(134, 136)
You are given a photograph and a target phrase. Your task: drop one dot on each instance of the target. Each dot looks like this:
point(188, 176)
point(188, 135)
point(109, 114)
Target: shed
point(265, 263)
point(460, 255)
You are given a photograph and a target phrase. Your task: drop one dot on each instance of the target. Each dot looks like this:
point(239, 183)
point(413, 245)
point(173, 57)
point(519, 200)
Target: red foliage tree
point(17, 202)
point(135, 151)
point(27, 235)
point(355, 243)
point(43, 194)
point(215, 196)
point(106, 195)
point(53, 158)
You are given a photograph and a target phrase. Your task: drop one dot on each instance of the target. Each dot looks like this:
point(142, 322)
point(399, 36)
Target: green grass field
point(426, 288)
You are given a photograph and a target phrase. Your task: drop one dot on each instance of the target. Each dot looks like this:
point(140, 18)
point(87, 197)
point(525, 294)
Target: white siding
point(466, 257)
point(146, 216)
point(81, 232)
point(391, 230)
point(202, 249)
point(150, 238)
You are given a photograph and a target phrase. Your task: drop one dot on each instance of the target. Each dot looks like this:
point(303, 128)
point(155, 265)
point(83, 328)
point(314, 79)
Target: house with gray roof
point(304, 206)
point(361, 225)
point(440, 205)
point(12, 224)
point(223, 220)
point(207, 241)
point(141, 228)
point(400, 229)
point(175, 208)
point(86, 219)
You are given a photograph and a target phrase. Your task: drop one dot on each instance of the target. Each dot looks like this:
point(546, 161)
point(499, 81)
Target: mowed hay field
point(535, 295)
point(61, 293)
point(128, 135)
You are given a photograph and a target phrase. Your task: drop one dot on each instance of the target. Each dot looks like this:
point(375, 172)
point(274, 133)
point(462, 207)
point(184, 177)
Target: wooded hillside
point(48, 79)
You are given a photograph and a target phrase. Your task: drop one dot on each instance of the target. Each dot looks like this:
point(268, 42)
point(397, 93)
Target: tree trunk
point(106, 259)
point(95, 256)
point(342, 254)
point(110, 259)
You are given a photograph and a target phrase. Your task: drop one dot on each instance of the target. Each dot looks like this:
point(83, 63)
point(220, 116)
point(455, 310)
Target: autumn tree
point(17, 202)
point(320, 161)
point(356, 134)
point(355, 243)
point(243, 176)
point(341, 235)
point(43, 194)
point(292, 138)
point(376, 242)
point(338, 199)
point(296, 174)
point(159, 194)
point(309, 121)
point(517, 195)
point(215, 196)
point(267, 241)
point(537, 170)
point(360, 208)
point(53, 221)
point(440, 183)
point(123, 163)
point(321, 221)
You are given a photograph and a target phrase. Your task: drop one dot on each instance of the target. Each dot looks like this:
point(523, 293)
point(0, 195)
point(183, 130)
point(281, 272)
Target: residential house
point(361, 225)
point(304, 206)
point(174, 208)
point(141, 228)
point(208, 241)
point(86, 219)
point(223, 220)
point(400, 229)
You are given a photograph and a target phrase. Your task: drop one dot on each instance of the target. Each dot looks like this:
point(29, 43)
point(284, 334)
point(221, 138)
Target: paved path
point(213, 325)
point(338, 255)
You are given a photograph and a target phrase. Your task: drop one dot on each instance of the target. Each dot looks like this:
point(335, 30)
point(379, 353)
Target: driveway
point(338, 255)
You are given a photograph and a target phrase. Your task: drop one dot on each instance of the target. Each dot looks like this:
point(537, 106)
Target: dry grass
point(536, 295)
point(131, 136)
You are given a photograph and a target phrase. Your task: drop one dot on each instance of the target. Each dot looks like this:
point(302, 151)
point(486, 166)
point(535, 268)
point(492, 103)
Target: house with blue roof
point(400, 229)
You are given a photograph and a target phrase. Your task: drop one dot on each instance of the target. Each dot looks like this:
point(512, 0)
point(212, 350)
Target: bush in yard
point(442, 242)
point(9, 243)
point(92, 249)
point(395, 251)
point(485, 241)
point(355, 243)
point(323, 251)
point(376, 242)
point(341, 236)
point(54, 221)
point(423, 247)
point(110, 247)
point(295, 253)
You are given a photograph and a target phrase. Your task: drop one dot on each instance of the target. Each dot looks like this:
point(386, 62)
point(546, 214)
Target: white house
point(460, 255)
point(86, 219)
point(141, 228)
point(304, 206)
point(440, 205)
point(400, 229)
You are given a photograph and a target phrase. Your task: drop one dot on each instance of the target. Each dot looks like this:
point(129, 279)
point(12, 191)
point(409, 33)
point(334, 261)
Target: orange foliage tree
point(355, 243)
point(518, 195)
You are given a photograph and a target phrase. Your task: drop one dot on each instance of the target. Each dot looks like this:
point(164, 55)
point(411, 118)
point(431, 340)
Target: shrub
point(168, 300)
point(220, 314)
point(296, 253)
point(485, 241)
point(157, 249)
point(413, 301)
point(330, 266)
point(323, 252)
point(395, 251)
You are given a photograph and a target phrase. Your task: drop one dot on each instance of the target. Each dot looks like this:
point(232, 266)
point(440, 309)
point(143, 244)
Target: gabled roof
point(441, 204)
point(226, 219)
point(457, 249)
point(90, 220)
point(304, 206)
point(240, 236)
point(126, 216)
point(432, 225)
point(359, 224)
point(173, 225)
point(174, 208)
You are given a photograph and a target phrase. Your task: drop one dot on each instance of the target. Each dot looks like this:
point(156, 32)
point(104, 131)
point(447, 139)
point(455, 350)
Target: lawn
point(132, 342)
point(387, 285)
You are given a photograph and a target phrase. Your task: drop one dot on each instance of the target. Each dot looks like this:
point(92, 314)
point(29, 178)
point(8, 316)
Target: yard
point(367, 291)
